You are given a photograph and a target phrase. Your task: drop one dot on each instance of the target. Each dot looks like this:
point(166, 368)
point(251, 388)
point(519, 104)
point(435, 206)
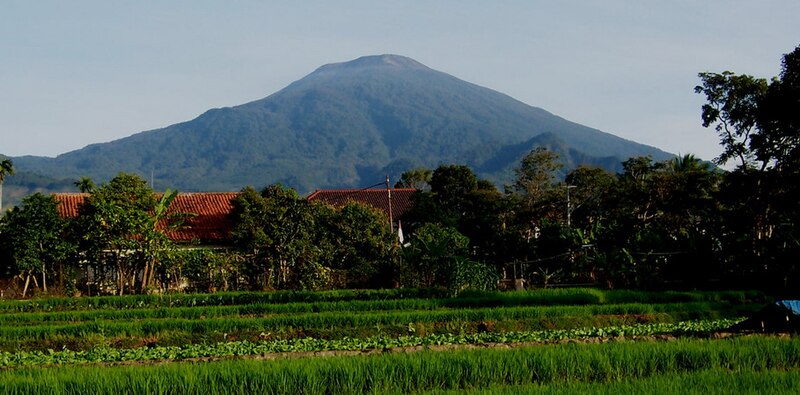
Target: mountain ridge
point(341, 126)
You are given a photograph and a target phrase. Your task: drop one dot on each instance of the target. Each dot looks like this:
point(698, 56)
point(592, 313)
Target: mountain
point(345, 125)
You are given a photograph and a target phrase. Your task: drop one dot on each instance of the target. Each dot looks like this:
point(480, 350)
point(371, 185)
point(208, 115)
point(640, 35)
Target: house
point(393, 202)
point(209, 222)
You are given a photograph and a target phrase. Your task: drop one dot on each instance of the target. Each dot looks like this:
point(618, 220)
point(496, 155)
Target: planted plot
point(568, 364)
point(245, 348)
point(544, 297)
point(135, 321)
point(165, 331)
point(707, 381)
point(38, 337)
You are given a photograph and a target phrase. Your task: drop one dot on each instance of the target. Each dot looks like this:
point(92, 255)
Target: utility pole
point(389, 195)
point(569, 208)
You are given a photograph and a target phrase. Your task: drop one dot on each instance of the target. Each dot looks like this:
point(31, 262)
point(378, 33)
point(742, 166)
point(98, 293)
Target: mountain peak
point(374, 61)
point(346, 126)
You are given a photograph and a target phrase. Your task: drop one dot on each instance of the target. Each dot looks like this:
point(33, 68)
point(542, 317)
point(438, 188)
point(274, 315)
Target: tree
point(357, 243)
point(485, 221)
point(155, 240)
point(418, 178)
point(778, 118)
point(759, 122)
point(447, 200)
point(731, 108)
point(276, 227)
point(591, 188)
point(535, 182)
point(536, 197)
point(660, 221)
point(438, 257)
point(6, 169)
point(118, 228)
point(85, 185)
point(450, 184)
point(35, 233)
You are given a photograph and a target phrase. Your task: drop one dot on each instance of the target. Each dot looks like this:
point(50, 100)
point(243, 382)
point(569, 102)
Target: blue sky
point(81, 72)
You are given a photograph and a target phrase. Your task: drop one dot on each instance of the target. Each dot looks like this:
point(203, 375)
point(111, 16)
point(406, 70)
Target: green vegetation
point(81, 324)
point(538, 297)
point(360, 341)
point(309, 344)
point(707, 381)
point(559, 365)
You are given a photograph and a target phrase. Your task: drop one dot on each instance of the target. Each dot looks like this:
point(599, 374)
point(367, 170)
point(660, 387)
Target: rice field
point(392, 341)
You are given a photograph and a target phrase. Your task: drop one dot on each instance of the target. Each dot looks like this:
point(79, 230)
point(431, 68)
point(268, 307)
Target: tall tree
point(276, 226)
point(731, 108)
point(6, 169)
point(760, 123)
point(357, 243)
point(117, 228)
point(535, 190)
point(418, 178)
point(535, 183)
point(155, 240)
point(779, 117)
point(85, 185)
point(451, 183)
point(592, 186)
point(446, 201)
point(536, 175)
point(36, 236)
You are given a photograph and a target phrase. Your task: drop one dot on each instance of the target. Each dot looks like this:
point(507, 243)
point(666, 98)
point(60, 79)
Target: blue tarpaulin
point(791, 305)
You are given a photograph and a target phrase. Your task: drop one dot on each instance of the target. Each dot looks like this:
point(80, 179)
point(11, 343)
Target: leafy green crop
point(611, 363)
point(245, 348)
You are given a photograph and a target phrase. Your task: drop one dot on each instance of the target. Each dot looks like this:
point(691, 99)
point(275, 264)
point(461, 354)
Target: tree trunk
point(120, 280)
point(152, 273)
point(27, 282)
point(133, 280)
point(44, 278)
point(145, 278)
point(44, 270)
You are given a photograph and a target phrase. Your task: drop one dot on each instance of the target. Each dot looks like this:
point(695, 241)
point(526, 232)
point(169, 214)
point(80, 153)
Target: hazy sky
point(74, 73)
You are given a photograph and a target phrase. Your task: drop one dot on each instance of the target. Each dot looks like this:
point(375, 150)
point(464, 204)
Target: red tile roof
point(377, 198)
point(211, 221)
point(68, 203)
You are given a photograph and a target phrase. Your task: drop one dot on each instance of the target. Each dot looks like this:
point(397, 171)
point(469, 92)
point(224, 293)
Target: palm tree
point(6, 168)
point(687, 163)
point(85, 185)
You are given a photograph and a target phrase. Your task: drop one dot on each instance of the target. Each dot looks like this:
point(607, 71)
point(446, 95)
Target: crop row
point(706, 381)
point(542, 297)
point(246, 348)
point(603, 363)
point(264, 309)
point(350, 320)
